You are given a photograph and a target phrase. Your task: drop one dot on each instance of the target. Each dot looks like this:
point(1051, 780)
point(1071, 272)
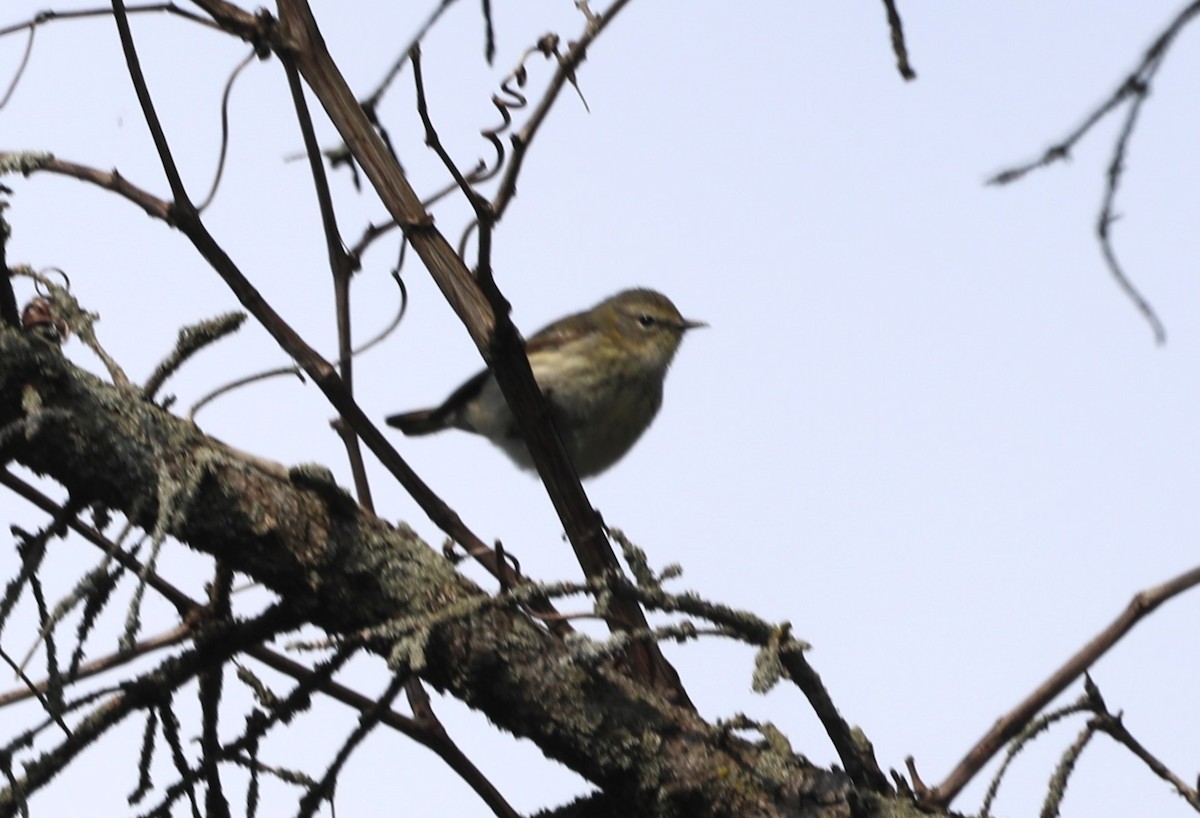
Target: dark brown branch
point(138, 694)
point(425, 731)
point(431, 736)
point(224, 152)
point(342, 268)
point(183, 604)
point(585, 529)
point(134, 66)
point(489, 45)
point(1008, 726)
point(1115, 727)
point(112, 181)
point(899, 48)
point(80, 14)
point(176, 636)
point(10, 315)
point(497, 341)
point(435, 143)
point(437, 510)
point(1134, 90)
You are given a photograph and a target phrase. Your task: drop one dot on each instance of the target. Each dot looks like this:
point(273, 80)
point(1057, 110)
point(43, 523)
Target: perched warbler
point(601, 371)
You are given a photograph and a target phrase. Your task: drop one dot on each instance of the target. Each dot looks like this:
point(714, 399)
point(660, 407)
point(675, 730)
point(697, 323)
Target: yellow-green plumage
point(601, 370)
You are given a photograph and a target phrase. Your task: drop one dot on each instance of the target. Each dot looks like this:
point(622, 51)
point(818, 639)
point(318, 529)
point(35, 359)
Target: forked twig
point(1134, 90)
point(1009, 725)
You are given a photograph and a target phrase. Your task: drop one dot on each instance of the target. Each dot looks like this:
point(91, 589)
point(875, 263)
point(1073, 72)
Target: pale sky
point(925, 426)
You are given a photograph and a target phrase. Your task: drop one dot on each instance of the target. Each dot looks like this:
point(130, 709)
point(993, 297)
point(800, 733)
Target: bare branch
point(1134, 90)
point(341, 266)
point(568, 64)
point(1115, 727)
point(168, 639)
point(899, 48)
point(1014, 721)
point(237, 72)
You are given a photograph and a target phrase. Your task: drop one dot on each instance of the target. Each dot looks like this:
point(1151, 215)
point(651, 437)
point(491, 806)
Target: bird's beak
point(688, 324)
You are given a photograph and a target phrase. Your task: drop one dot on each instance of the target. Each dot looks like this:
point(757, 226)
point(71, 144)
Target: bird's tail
point(420, 422)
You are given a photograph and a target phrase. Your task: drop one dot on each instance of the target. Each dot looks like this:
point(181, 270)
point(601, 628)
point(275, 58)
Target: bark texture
point(349, 572)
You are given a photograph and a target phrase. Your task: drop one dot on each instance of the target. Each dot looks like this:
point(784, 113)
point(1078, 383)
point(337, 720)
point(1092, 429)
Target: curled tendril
point(510, 98)
point(42, 283)
point(237, 72)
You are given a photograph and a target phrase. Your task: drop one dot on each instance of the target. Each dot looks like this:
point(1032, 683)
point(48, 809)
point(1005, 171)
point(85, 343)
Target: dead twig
point(1011, 724)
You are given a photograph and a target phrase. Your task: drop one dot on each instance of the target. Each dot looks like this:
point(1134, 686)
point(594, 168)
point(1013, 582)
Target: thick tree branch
point(350, 573)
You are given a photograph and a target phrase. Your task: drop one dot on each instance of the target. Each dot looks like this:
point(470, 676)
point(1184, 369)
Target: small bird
point(601, 370)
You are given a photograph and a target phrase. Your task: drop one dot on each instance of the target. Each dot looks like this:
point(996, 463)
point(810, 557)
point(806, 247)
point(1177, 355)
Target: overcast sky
point(925, 426)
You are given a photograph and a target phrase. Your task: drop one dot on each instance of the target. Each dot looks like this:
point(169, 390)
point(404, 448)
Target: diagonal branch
point(348, 572)
point(433, 506)
point(479, 309)
point(1133, 92)
point(1007, 727)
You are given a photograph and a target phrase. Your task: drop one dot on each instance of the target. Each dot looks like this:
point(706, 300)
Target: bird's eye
point(646, 320)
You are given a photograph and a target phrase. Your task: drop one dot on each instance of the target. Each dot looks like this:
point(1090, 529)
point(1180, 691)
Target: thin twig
point(567, 66)
point(1014, 721)
point(432, 141)
point(899, 48)
point(240, 382)
point(191, 340)
point(432, 505)
point(182, 603)
point(375, 97)
point(35, 690)
point(414, 729)
point(1108, 216)
point(168, 639)
point(1056, 788)
point(322, 790)
point(21, 66)
point(79, 14)
point(1115, 727)
point(489, 45)
point(1030, 732)
point(212, 192)
point(1134, 89)
point(341, 266)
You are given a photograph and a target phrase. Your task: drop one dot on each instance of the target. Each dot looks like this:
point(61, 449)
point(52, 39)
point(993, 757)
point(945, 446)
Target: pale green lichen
point(24, 162)
point(768, 669)
point(190, 341)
